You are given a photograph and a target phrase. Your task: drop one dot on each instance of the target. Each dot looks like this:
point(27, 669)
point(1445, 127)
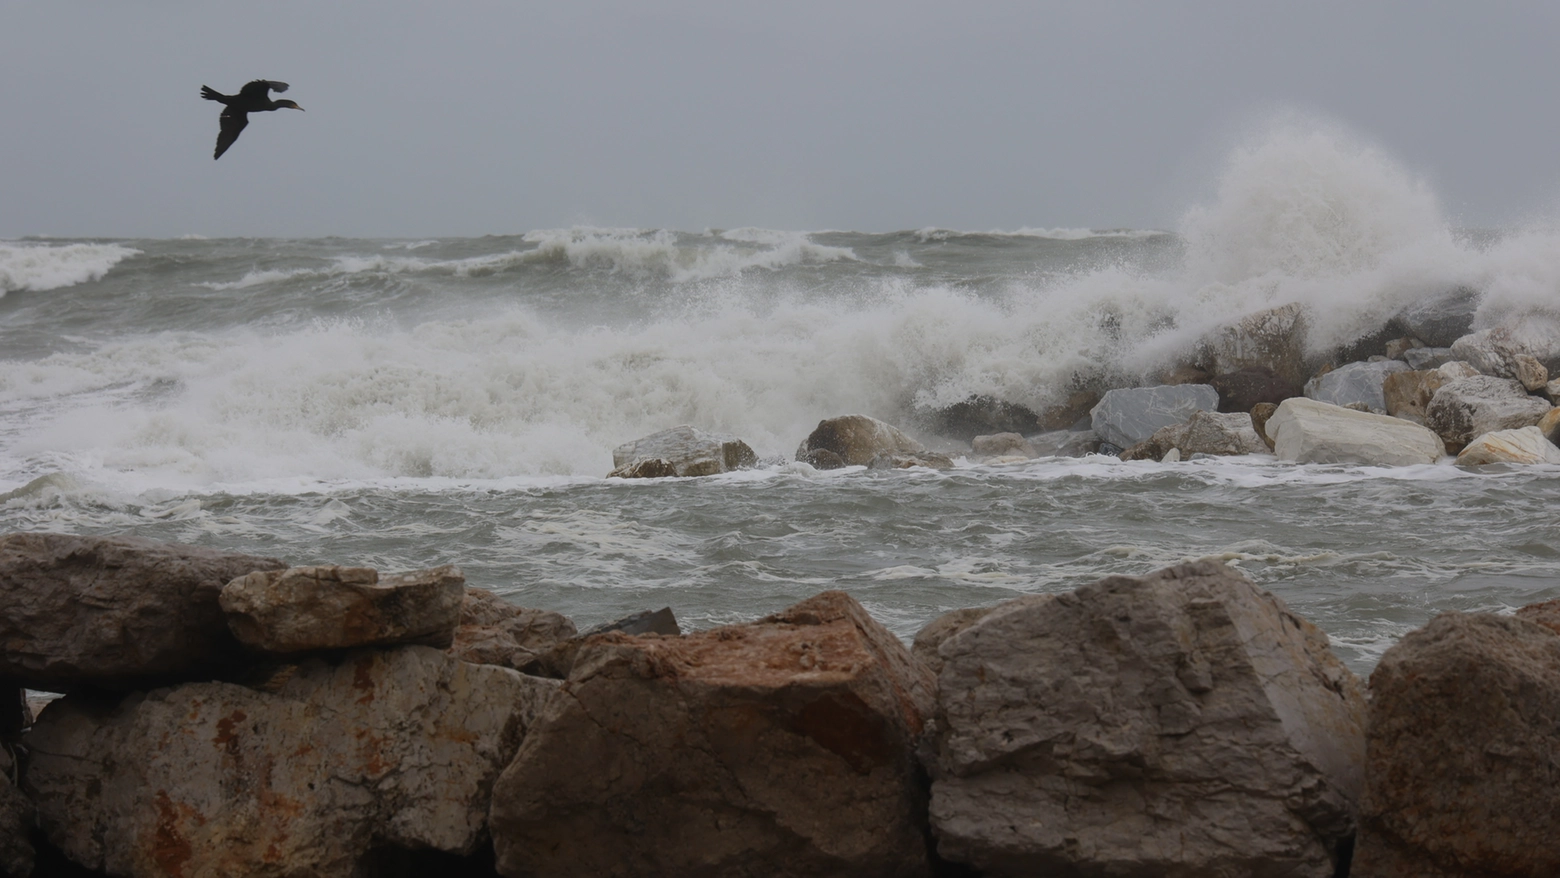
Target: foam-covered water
point(401, 403)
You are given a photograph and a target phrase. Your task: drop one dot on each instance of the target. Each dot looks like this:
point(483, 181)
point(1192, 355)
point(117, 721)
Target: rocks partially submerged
point(681, 451)
point(1184, 723)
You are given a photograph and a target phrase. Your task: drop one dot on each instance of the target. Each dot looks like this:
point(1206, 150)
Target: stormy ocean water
point(407, 403)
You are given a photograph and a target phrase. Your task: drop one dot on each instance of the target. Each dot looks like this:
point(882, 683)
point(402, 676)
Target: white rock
point(1524, 446)
point(1307, 431)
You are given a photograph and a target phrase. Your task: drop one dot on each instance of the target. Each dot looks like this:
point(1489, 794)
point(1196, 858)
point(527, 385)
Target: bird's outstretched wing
point(232, 124)
point(257, 88)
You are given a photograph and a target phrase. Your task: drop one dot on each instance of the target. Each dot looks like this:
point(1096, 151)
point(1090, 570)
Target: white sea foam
point(39, 267)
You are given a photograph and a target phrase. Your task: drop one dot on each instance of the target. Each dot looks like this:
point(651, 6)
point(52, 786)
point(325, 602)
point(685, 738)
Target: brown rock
point(647, 468)
point(1408, 394)
point(927, 459)
point(688, 451)
point(1175, 725)
point(387, 747)
point(1526, 369)
point(1549, 425)
point(16, 822)
point(1239, 391)
point(779, 748)
point(1463, 777)
point(493, 631)
point(1546, 614)
point(1001, 445)
point(307, 608)
point(118, 612)
point(1066, 414)
point(1273, 340)
point(1260, 413)
point(856, 439)
point(982, 414)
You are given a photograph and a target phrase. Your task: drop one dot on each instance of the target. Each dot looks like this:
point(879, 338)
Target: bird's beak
point(297, 108)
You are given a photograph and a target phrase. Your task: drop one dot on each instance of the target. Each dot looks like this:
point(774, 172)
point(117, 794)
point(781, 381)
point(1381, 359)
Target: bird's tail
point(212, 94)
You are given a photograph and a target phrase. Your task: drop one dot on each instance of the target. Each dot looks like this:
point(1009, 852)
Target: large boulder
point(1127, 416)
point(395, 748)
point(493, 631)
point(1272, 340)
point(1463, 773)
point(1002, 445)
point(1175, 725)
point(1528, 445)
point(116, 612)
point(1239, 391)
point(1307, 431)
point(778, 748)
point(688, 451)
point(979, 415)
point(1441, 319)
point(1355, 383)
point(1494, 351)
point(301, 609)
point(1210, 433)
point(1467, 408)
point(1408, 394)
point(854, 440)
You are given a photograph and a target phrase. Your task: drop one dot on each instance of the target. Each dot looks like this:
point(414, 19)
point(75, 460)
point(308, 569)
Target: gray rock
point(1125, 417)
point(1494, 351)
point(1397, 348)
point(1467, 408)
point(784, 747)
point(116, 612)
point(1354, 383)
point(395, 747)
point(1307, 431)
point(1220, 435)
point(493, 631)
point(1273, 340)
point(1526, 446)
point(1002, 445)
point(16, 822)
point(1175, 725)
point(1421, 359)
point(930, 638)
point(301, 609)
point(856, 439)
point(1462, 780)
point(1440, 320)
point(690, 451)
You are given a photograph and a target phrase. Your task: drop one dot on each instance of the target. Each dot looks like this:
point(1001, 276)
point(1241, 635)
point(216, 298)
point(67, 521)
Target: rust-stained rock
point(117, 612)
point(1261, 413)
point(778, 748)
point(396, 747)
point(1546, 614)
point(493, 631)
point(302, 609)
point(1463, 773)
point(856, 439)
point(1178, 725)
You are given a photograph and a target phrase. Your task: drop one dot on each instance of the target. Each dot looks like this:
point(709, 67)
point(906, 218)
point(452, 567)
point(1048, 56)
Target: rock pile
point(1184, 723)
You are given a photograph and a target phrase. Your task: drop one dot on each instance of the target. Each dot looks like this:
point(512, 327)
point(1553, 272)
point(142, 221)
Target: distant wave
point(932, 233)
point(39, 267)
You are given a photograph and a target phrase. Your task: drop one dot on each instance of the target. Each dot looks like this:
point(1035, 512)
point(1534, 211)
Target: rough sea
point(407, 403)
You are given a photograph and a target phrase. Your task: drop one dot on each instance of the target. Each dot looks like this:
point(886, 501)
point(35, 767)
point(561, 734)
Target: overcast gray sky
point(469, 118)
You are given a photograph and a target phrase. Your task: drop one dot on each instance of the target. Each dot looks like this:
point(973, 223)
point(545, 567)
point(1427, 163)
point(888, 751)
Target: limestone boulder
point(1272, 340)
point(855, 440)
point(387, 748)
point(930, 638)
point(925, 459)
point(690, 451)
point(1463, 775)
point(1528, 445)
point(301, 609)
point(1175, 725)
point(646, 468)
point(778, 748)
point(1307, 431)
point(115, 612)
point(1239, 391)
point(493, 631)
point(1495, 351)
point(1355, 383)
point(1127, 416)
point(1529, 372)
point(1002, 445)
point(1438, 320)
point(1462, 410)
point(980, 415)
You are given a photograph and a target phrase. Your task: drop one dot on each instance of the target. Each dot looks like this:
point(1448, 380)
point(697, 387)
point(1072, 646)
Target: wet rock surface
point(681, 451)
point(854, 440)
point(1180, 724)
point(302, 609)
point(1126, 417)
point(1307, 431)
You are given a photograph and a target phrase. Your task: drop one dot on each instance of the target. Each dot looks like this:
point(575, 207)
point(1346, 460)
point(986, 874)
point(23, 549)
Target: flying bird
point(252, 98)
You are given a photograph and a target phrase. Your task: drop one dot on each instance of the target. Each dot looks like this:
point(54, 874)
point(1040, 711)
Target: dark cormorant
point(252, 98)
